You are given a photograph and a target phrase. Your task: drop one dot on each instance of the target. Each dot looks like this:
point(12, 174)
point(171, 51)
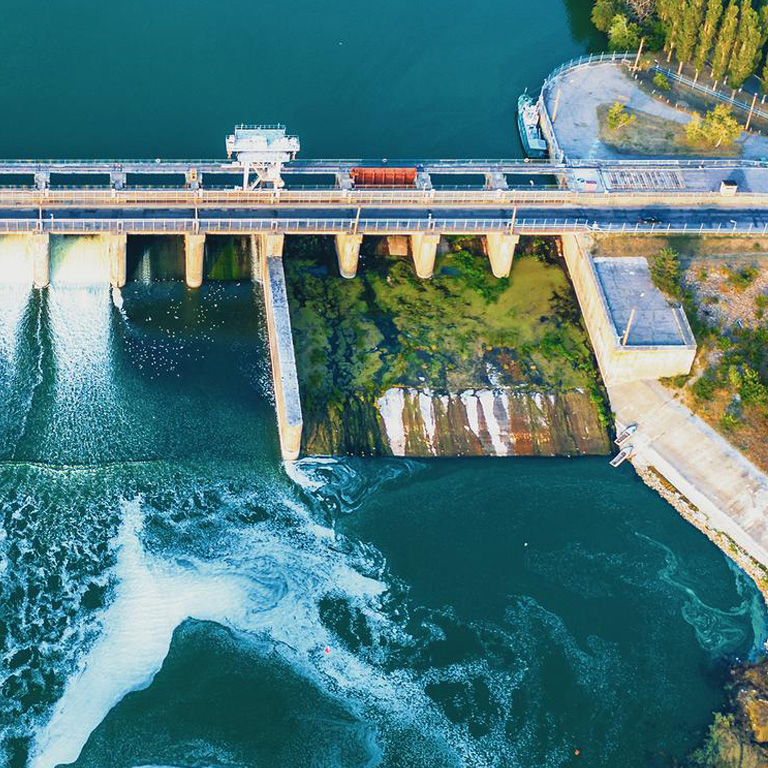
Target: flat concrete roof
point(627, 285)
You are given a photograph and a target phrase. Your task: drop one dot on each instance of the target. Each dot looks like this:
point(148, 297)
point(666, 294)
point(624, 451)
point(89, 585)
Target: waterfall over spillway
point(80, 403)
point(79, 261)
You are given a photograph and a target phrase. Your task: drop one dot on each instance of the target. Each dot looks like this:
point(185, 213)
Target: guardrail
point(550, 225)
point(360, 198)
point(701, 88)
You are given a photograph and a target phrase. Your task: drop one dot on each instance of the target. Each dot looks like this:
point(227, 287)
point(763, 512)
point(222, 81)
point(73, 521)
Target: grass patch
point(688, 246)
point(652, 135)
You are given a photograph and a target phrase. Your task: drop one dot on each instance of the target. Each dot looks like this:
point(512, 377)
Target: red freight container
point(384, 177)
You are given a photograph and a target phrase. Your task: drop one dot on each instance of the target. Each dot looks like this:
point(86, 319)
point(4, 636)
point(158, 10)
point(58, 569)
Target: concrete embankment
point(490, 422)
point(286, 383)
point(725, 495)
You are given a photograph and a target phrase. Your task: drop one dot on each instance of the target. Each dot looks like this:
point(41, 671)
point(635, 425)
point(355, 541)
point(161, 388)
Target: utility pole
point(637, 58)
point(751, 110)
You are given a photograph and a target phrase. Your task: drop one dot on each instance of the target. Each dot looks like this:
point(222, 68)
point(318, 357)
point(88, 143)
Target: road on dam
point(520, 216)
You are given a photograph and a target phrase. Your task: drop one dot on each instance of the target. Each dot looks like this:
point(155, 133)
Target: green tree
point(725, 40)
point(618, 116)
point(693, 15)
point(661, 82)
point(746, 49)
point(718, 127)
point(624, 35)
point(670, 12)
point(666, 272)
point(708, 32)
point(603, 12)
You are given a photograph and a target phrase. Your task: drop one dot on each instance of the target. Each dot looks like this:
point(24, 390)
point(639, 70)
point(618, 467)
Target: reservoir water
point(171, 595)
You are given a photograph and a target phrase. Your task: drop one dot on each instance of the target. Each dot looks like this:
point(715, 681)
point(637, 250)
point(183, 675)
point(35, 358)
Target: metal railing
point(550, 225)
point(592, 58)
point(712, 92)
point(360, 198)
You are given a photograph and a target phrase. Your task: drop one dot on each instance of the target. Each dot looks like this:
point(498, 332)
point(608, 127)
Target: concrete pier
point(39, 249)
point(284, 376)
point(348, 253)
point(117, 245)
point(424, 250)
point(194, 252)
point(501, 251)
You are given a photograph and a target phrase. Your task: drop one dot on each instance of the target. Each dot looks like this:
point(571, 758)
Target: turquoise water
point(171, 596)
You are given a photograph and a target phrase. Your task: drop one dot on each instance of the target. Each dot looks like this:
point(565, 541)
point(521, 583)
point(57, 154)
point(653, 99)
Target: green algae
point(462, 329)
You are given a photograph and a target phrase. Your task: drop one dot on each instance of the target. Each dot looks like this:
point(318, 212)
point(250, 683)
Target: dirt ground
point(654, 136)
point(688, 246)
point(730, 291)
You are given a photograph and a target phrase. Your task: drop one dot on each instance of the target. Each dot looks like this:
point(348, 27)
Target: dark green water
point(168, 592)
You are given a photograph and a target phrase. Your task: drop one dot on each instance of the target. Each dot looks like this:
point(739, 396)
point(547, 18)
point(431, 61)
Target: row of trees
point(726, 35)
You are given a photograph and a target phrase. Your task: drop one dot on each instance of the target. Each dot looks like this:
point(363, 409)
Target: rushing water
point(170, 594)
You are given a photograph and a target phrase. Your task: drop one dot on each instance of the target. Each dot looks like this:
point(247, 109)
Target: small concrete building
point(635, 331)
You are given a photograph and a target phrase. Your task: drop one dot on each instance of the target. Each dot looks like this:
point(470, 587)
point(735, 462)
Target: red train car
point(384, 177)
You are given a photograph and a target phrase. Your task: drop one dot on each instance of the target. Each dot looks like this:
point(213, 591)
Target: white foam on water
point(15, 262)
point(426, 406)
point(470, 402)
point(391, 406)
point(15, 289)
point(137, 630)
point(487, 399)
point(79, 261)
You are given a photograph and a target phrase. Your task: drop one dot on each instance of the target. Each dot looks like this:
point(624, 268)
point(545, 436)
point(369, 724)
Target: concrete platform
point(627, 285)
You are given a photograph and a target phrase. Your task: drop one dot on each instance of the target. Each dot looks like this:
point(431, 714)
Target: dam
point(262, 201)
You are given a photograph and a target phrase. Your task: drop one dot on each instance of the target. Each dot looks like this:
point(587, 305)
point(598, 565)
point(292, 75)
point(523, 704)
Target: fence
point(550, 225)
point(713, 93)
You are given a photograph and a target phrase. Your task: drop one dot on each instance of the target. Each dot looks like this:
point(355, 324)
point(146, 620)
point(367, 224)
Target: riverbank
point(461, 364)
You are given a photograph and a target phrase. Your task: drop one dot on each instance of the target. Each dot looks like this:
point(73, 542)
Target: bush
point(761, 301)
point(729, 421)
point(740, 279)
point(661, 82)
point(618, 117)
point(666, 271)
point(704, 389)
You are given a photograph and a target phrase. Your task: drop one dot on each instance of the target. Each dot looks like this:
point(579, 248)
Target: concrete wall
point(617, 363)
point(284, 376)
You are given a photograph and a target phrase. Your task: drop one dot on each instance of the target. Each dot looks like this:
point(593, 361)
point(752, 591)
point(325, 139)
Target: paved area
point(582, 90)
point(630, 293)
point(730, 492)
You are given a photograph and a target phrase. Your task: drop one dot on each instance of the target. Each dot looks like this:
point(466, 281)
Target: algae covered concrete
point(462, 364)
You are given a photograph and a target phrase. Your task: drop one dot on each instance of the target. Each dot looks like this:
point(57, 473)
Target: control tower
point(262, 149)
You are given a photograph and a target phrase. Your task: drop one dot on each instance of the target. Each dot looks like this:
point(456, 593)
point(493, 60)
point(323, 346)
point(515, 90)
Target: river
point(171, 596)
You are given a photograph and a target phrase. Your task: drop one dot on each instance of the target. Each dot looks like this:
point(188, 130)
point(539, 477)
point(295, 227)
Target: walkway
point(726, 487)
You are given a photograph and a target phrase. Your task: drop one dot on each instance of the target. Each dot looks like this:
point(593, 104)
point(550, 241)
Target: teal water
point(171, 596)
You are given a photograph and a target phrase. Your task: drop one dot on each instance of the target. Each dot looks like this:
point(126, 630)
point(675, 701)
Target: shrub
point(761, 301)
point(729, 421)
point(661, 82)
point(704, 389)
point(618, 117)
point(740, 279)
point(666, 272)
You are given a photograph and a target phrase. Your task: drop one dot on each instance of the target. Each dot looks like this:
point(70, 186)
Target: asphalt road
point(693, 217)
